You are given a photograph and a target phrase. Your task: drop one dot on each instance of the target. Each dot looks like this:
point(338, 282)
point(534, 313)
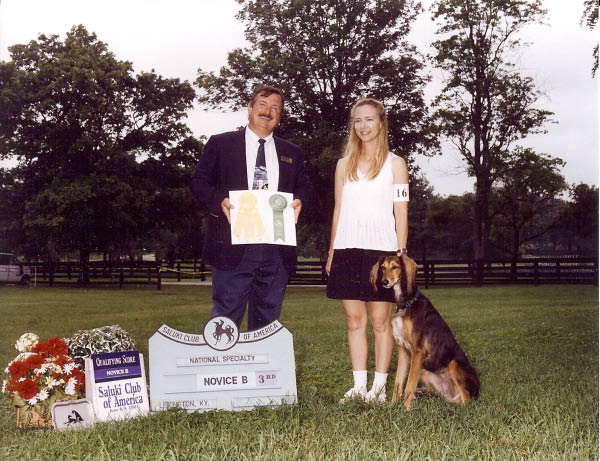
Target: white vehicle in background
point(12, 270)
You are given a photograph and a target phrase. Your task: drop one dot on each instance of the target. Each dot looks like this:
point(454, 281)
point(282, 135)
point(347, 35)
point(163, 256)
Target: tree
point(485, 106)
point(524, 200)
point(590, 19)
point(325, 54)
point(75, 118)
point(8, 239)
point(581, 219)
point(419, 234)
point(449, 223)
point(174, 220)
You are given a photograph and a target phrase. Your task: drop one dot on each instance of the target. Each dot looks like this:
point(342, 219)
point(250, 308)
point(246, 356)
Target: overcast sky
point(179, 36)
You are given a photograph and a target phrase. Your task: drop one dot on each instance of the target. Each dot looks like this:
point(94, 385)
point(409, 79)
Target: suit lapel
point(285, 167)
point(239, 172)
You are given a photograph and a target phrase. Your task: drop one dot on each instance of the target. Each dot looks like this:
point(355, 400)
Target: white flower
point(43, 395)
point(33, 401)
point(53, 367)
point(42, 370)
point(4, 385)
point(70, 387)
point(68, 368)
point(26, 342)
point(51, 382)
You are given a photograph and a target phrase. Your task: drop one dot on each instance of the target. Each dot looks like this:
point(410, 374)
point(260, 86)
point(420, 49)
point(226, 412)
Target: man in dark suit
point(256, 274)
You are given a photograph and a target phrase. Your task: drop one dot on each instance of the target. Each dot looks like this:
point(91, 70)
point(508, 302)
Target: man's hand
point(297, 206)
point(226, 206)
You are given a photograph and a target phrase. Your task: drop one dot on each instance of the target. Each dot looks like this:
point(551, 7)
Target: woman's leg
point(382, 329)
point(384, 344)
point(357, 319)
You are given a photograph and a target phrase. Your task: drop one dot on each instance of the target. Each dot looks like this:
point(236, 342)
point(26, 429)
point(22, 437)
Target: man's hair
point(266, 91)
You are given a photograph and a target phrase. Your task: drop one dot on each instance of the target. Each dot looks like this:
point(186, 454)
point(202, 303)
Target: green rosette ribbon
point(278, 203)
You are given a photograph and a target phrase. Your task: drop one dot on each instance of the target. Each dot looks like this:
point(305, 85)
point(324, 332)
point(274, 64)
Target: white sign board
point(221, 368)
point(116, 385)
point(262, 216)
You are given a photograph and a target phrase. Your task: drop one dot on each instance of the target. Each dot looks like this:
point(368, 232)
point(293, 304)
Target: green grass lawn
point(535, 348)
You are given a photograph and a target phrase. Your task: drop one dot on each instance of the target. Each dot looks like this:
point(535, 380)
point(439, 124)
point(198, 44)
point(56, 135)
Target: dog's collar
point(409, 303)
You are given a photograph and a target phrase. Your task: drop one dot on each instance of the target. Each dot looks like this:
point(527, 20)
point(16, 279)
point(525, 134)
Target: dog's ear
point(375, 273)
point(410, 268)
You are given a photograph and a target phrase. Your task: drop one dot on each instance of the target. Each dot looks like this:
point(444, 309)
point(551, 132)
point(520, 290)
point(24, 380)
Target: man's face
point(264, 114)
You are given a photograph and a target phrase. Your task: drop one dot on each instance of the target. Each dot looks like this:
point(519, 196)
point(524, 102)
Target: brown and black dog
point(424, 338)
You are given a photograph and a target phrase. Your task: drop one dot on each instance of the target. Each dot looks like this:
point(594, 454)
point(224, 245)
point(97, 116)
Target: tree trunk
point(481, 228)
point(84, 264)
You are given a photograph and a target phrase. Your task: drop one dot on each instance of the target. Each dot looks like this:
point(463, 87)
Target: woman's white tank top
point(367, 212)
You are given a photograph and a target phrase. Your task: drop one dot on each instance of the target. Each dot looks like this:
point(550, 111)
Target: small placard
point(262, 216)
point(222, 368)
point(116, 385)
point(72, 414)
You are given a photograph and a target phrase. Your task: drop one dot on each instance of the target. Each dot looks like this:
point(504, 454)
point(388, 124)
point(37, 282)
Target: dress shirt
point(271, 160)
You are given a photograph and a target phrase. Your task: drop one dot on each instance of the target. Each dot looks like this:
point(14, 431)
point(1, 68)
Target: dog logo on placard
point(221, 333)
point(73, 418)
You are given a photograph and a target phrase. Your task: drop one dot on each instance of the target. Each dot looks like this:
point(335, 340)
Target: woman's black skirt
point(350, 274)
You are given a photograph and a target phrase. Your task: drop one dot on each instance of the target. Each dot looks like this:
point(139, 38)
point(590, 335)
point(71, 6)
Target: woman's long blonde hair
point(354, 145)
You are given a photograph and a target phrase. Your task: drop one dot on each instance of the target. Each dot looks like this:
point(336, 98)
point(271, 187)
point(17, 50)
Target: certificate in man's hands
point(262, 216)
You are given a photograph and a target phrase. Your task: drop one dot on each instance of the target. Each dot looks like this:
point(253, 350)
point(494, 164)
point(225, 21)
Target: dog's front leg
point(416, 364)
point(401, 371)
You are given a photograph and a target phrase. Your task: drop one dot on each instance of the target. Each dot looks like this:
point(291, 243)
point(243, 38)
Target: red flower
point(11, 386)
point(80, 377)
point(34, 361)
point(18, 369)
point(54, 347)
point(27, 389)
point(61, 361)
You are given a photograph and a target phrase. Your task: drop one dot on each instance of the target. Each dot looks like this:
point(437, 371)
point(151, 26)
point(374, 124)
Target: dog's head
point(398, 272)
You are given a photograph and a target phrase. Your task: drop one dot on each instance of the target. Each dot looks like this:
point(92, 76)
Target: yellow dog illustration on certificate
point(248, 224)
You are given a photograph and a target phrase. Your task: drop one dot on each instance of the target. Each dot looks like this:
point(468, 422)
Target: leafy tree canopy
point(76, 119)
point(326, 54)
point(485, 106)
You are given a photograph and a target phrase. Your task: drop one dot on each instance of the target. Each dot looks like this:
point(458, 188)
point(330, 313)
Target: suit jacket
point(222, 168)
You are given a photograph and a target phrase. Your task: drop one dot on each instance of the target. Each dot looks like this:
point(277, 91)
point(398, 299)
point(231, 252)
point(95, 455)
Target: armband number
point(400, 192)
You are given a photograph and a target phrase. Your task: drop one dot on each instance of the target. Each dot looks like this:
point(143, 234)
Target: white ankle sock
point(360, 379)
point(379, 380)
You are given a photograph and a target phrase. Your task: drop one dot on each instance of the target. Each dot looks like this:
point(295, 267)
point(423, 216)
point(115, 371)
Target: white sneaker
point(354, 393)
point(376, 395)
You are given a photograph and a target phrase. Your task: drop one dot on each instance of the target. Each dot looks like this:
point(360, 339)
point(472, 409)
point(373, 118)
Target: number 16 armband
point(400, 192)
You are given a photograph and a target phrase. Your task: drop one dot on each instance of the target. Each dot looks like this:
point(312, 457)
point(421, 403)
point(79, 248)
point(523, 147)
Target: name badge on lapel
point(286, 159)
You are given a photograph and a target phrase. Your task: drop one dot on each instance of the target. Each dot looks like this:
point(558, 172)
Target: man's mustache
point(267, 116)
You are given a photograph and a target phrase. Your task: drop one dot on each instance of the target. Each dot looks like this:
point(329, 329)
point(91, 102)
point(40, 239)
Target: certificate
point(262, 216)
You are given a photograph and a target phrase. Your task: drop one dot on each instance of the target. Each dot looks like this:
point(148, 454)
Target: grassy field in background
point(535, 348)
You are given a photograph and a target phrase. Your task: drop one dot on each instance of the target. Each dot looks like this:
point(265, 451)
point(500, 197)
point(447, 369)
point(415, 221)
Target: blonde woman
point(369, 221)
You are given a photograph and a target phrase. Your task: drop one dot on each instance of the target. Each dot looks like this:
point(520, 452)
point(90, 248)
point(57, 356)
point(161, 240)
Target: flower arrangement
point(41, 374)
point(97, 340)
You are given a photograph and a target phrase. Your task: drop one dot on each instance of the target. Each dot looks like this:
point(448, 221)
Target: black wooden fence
point(431, 273)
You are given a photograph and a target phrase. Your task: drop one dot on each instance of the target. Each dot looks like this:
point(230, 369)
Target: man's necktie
point(260, 170)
